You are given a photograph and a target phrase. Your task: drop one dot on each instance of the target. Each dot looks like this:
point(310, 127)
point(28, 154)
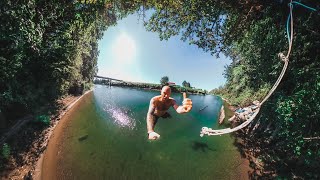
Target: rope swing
point(249, 113)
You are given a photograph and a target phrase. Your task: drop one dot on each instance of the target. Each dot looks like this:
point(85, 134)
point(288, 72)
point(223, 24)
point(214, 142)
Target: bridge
point(112, 81)
point(107, 78)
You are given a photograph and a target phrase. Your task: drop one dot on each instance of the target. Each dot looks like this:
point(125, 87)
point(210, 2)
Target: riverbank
point(245, 145)
point(27, 146)
point(54, 145)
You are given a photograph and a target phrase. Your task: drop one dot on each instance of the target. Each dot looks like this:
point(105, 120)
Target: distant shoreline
point(156, 87)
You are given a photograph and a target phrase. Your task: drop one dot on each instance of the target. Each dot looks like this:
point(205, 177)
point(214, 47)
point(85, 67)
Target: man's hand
point(186, 103)
point(153, 135)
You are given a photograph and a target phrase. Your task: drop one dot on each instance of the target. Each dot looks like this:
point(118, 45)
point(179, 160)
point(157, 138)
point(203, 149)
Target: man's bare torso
point(161, 107)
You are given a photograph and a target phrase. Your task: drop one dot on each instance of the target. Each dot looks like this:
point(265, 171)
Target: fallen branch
point(312, 138)
point(203, 108)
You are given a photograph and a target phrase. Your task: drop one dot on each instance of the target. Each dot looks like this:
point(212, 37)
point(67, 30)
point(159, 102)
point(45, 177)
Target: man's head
point(165, 92)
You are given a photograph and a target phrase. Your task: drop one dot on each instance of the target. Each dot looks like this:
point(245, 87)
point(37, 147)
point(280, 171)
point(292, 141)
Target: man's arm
point(150, 116)
point(151, 121)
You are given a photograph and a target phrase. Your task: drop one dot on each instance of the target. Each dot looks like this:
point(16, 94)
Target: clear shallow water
point(113, 120)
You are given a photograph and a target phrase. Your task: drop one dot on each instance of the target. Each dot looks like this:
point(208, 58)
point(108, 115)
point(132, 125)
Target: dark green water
point(116, 147)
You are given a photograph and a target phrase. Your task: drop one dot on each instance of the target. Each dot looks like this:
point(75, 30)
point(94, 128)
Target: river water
point(106, 138)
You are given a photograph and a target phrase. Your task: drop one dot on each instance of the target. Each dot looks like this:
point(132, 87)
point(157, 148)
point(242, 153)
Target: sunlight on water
point(120, 117)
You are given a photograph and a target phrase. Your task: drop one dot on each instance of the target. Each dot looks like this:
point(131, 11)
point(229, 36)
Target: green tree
point(186, 84)
point(164, 80)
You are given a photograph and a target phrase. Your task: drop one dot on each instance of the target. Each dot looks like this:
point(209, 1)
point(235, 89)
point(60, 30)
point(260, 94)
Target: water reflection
point(120, 116)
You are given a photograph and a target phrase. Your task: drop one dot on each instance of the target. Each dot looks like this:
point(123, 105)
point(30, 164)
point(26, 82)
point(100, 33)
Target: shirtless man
point(158, 108)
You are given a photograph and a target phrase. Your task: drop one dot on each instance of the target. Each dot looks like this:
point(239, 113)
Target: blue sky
point(129, 52)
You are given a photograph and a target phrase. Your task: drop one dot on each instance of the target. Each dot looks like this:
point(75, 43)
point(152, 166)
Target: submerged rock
point(83, 137)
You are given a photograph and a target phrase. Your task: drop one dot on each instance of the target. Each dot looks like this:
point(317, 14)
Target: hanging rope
point(211, 132)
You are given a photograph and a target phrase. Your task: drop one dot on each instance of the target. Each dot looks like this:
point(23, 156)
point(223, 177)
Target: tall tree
point(164, 80)
point(184, 83)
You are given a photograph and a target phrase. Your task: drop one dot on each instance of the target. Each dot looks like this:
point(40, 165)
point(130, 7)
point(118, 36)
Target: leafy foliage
point(43, 119)
point(186, 84)
point(49, 49)
point(5, 151)
point(164, 80)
